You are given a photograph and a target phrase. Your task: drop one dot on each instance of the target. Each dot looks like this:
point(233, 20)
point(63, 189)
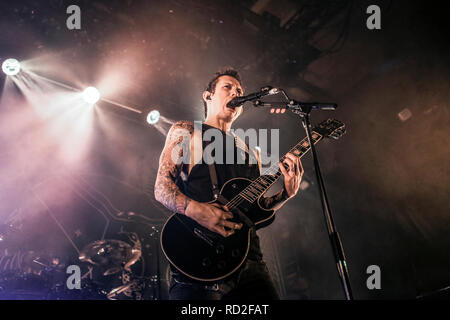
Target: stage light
point(153, 117)
point(91, 95)
point(11, 67)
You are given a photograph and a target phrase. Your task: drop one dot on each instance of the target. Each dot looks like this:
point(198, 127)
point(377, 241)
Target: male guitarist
point(187, 187)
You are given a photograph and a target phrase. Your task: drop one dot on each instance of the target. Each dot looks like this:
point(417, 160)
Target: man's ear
point(206, 95)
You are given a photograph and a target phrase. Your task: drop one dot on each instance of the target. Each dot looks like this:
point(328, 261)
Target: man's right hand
point(213, 217)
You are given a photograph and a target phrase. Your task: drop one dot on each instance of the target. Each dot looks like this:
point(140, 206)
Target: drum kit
point(116, 268)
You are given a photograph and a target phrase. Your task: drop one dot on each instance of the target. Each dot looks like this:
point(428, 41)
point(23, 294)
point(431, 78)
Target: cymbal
point(111, 254)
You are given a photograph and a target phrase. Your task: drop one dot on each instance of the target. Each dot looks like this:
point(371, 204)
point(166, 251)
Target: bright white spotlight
point(153, 117)
point(11, 67)
point(91, 95)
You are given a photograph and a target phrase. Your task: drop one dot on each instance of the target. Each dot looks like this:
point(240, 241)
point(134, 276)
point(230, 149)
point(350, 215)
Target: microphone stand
point(303, 110)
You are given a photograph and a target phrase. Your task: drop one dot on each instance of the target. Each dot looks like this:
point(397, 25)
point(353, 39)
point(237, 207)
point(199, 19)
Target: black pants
point(250, 282)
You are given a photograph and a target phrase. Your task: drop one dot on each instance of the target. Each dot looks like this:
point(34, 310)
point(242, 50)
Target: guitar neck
point(272, 174)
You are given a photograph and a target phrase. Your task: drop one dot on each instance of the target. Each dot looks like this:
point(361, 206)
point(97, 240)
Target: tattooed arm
point(166, 191)
point(212, 216)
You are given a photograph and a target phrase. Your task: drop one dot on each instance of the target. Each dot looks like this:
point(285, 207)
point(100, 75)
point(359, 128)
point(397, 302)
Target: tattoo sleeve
point(170, 164)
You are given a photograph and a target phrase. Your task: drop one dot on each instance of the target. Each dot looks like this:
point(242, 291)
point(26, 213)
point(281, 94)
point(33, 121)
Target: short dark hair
point(211, 87)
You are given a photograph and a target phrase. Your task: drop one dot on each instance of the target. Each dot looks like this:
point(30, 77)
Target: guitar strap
point(215, 184)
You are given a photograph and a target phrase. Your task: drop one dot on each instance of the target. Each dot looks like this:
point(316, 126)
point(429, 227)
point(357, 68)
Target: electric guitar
point(208, 256)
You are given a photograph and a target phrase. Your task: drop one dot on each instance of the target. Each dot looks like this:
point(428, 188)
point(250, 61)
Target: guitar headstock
point(331, 128)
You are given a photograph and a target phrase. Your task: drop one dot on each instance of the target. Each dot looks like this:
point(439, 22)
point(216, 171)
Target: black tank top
point(197, 184)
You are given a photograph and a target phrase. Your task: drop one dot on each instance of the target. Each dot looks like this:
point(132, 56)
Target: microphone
point(265, 91)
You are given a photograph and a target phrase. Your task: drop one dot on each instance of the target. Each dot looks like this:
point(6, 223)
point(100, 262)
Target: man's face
point(226, 89)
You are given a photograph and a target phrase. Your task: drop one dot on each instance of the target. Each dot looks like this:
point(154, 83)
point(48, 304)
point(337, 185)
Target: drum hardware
point(112, 255)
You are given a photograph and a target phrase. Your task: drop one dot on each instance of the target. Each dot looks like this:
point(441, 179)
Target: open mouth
point(230, 108)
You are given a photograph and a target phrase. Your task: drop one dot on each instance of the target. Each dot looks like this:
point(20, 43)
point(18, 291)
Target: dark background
point(387, 179)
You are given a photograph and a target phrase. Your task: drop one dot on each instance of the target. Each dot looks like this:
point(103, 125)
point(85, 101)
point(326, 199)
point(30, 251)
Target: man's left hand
point(293, 175)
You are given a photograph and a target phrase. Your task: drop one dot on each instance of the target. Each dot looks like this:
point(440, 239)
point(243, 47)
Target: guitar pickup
point(204, 237)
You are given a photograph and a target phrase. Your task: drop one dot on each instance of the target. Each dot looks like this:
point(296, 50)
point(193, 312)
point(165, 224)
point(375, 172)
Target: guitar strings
point(233, 203)
point(236, 201)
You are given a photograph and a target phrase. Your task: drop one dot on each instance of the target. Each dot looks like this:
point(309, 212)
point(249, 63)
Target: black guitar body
point(207, 256)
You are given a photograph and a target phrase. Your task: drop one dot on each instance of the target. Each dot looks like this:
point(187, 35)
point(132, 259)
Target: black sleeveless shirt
point(197, 184)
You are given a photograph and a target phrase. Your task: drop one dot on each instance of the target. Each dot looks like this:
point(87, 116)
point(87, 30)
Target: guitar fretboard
point(271, 175)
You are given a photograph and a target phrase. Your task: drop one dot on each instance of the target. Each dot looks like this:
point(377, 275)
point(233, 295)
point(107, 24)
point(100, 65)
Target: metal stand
point(156, 279)
point(303, 110)
point(154, 235)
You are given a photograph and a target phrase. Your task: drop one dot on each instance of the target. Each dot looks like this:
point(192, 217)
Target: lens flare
point(11, 67)
point(91, 95)
point(153, 117)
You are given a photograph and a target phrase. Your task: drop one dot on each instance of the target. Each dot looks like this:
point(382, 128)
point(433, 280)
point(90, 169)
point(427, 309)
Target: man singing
point(186, 187)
